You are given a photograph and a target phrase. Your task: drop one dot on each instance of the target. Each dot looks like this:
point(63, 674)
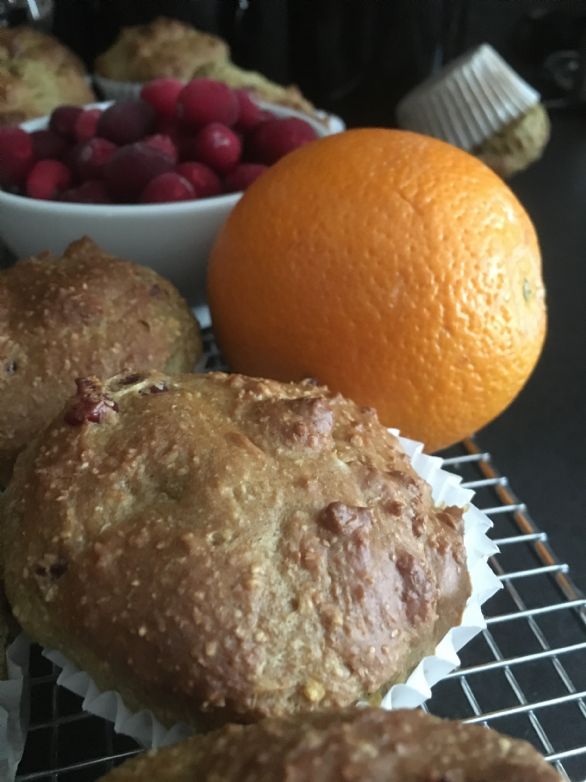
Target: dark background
point(356, 58)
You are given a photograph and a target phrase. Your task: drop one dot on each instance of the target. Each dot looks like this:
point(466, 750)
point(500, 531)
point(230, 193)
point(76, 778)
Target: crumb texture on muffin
point(86, 312)
point(229, 546)
point(164, 47)
point(354, 745)
point(37, 74)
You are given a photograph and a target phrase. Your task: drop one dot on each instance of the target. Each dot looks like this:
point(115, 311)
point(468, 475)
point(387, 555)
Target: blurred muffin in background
point(37, 73)
point(480, 104)
point(165, 47)
point(170, 48)
point(518, 144)
point(257, 84)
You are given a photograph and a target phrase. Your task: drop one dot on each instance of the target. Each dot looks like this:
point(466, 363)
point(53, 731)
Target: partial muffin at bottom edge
point(360, 745)
point(230, 547)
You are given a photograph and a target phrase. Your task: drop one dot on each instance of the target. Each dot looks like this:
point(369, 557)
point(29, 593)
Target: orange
point(396, 269)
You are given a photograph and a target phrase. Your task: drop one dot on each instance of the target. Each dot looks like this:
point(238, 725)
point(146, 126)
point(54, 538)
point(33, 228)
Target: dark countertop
point(540, 441)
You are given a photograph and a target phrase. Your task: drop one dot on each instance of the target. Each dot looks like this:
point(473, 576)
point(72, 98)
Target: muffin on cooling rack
point(37, 73)
point(229, 547)
point(369, 745)
point(84, 313)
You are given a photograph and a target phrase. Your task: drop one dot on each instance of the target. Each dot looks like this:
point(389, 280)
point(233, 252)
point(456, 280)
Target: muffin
point(222, 548)
point(86, 312)
point(366, 745)
point(165, 47)
point(518, 144)
point(480, 104)
point(37, 74)
point(257, 84)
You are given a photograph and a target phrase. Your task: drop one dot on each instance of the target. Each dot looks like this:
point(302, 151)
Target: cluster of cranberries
point(177, 142)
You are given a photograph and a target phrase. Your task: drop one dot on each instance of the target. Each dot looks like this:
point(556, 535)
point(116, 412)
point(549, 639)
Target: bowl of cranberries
point(150, 179)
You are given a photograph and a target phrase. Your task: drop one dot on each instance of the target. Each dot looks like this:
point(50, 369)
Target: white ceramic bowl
point(174, 239)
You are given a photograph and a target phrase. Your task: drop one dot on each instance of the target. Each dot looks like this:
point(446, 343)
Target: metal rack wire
point(524, 675)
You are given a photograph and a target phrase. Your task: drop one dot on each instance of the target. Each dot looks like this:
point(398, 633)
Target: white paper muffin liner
point(127, 90)
point(14, 703)
point(468, 101)
point(117, 90)
point(146, 729)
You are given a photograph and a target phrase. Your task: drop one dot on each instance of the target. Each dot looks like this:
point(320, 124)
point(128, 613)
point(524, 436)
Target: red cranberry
point(242, 176)
point(47, 144)
point(89, 158)
point(250, 115)
point(272, 139)
point(218, 147)
point(163, 144)
point(63, 120)
point(126, 122)
point(169, 126)
point(131, 168)
point(16, 155)
point(47, 179)
point(86, 124)
point(204, 181)
point(91, 192)
point(186, 148)
point(167, 187)
point(204, 100)
point(90, 404)
point(158, 388)
point(162, 94)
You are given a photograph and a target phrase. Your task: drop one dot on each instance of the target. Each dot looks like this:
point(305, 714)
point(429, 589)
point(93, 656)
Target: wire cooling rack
point(525, 675)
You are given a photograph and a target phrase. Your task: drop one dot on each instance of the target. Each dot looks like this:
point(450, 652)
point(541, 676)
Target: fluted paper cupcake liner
point(117, 90)
point(467, 102)
point(146, 729)
point(14, 703)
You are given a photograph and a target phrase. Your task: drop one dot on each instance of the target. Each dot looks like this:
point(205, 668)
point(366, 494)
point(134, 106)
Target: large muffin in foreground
point(87, 312)
point(228, 546)
point(358, 745)
point(37, 74)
